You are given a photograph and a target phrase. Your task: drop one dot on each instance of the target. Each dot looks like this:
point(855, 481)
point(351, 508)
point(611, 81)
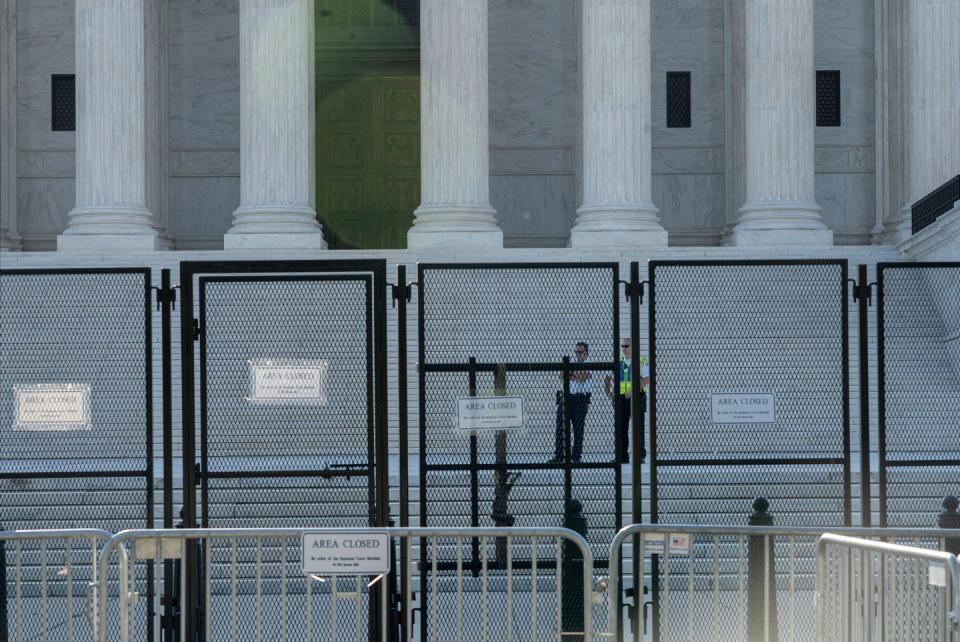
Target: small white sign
point(743, 408)
point(273, 382)
point(654, 543)
point(937, 574)
point(680, 544)
point(346, 553)
point(484, 414)
point(51, 407)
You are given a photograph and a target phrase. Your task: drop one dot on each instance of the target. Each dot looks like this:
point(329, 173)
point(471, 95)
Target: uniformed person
point(626, 392)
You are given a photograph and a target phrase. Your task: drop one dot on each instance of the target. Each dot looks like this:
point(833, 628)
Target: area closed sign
point(476, 414)
point(346, 552)
point(743, 408)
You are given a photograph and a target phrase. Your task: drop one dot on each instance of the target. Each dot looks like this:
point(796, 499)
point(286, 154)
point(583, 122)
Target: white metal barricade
point(712, 583)
point(869, 590)
point(465, 583)
point(49, 582)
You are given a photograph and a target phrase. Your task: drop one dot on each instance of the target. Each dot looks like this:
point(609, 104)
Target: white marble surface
point(203, 207)
point(536, 209)
point(617, 206)
point(454, 134)
point(111, 124)
point(9, 239)
point(277, 128)
point(933, 152)
point(780, 202)
point(204, 69)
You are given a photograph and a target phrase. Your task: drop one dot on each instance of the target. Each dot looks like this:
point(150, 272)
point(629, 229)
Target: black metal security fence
point(76, 417)
point(284, 383)
point(515, 426)
point(918, 344)
point(750, 390)
point(284, 374)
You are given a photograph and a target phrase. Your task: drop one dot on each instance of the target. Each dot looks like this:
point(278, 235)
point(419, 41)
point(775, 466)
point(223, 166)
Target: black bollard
point(572, 582)
point(761, 616)
point(950, 518)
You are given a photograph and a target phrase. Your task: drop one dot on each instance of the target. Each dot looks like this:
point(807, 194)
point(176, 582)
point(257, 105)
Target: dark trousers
point(623, 429)
point(577, 406)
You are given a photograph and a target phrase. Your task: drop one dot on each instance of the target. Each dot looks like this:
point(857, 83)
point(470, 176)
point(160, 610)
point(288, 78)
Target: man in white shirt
point(578, 402)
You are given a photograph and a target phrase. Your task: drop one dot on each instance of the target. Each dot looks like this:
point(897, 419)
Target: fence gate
point(284, 399)
point(749, 397)
point(76, 422)
point(500, 442)
point(918, 344)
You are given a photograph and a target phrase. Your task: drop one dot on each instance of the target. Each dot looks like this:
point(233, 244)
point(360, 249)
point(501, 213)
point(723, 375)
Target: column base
point(273, 228)
point(109, 229)
point(896, 230)
point(454, 227)
point(618, 225)
point(781, 223)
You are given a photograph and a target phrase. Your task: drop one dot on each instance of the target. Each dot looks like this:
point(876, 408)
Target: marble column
point(110, 212)
point(933, 110)
point(277, 128)
point(617, 208)
point(455, 206)
point(780, 207)
point(8, 128)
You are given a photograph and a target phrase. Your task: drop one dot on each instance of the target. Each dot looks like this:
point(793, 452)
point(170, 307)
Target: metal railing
point(253, 587)
point(52, 575)
point(869, 590)
point(710, 583)
point(938, 202)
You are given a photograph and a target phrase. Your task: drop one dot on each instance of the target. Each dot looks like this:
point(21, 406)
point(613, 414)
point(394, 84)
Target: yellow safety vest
point(625, 376)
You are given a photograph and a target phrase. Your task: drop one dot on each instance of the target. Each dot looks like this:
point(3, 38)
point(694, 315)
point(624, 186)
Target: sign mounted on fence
point(346, 553)
point(743, 408)
point(51, 407)
point(288, 382)
point(489, 414)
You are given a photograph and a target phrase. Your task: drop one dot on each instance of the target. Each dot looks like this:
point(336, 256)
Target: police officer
point(578, 402)
point(625, 381)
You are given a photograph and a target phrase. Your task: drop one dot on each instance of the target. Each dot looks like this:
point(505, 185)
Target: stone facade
point(536, 68)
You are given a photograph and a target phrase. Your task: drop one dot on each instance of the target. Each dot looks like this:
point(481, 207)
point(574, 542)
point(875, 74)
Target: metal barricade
point(869, 590)
point(254, 588)
point(708, 583)
point(52, 575)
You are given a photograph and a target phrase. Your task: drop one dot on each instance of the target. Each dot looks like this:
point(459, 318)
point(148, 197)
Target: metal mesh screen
point(528, 318)
point(730, 335)
point(919, 326)
point(276, 459)
point(74, 398)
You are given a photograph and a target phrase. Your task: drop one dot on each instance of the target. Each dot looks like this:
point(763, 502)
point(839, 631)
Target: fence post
point(950, 518)
point(3, 587)
point(572, 584)
point(761, 579)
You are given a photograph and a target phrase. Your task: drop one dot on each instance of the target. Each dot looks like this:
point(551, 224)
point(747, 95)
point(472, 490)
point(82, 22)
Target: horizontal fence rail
point(869, 590)
point(49, 578)
point(753, 583)
point(254, 587)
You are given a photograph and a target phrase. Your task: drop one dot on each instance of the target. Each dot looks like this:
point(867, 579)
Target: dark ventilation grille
point(678, 99)
point(64, 102)
point(828, 99)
